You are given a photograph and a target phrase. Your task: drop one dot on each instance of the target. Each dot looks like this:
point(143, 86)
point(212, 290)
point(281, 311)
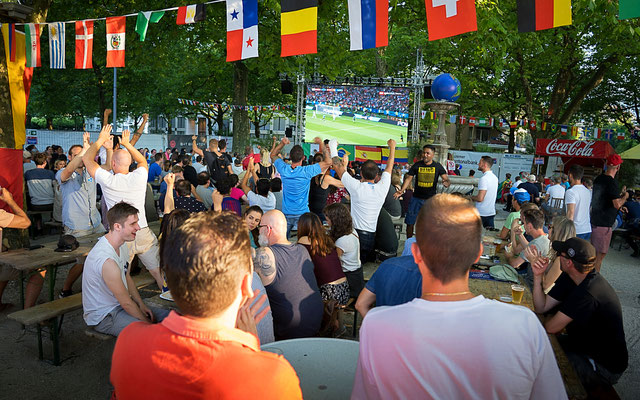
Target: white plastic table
point(326, 367)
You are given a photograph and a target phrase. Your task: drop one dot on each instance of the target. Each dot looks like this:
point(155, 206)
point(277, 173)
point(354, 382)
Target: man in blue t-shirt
point(296, 179)
point(396, 281)
point(155, 169)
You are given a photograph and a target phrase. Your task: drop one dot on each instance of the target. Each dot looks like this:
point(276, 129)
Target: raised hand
point(126, 137)
point(108, 145)
point(285, 140)
point(85, 140)
point(105, 132)
point(391, 143)
point(317, 140)
point(194, 137)
point(251, 165)
point(532, 254)
point(170, 178)
point(145, 117)
point(540, 266)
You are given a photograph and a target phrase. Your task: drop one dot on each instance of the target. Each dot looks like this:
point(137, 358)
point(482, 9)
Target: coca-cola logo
point(572, 148)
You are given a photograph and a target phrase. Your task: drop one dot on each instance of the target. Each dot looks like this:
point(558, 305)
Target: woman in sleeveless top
point(327, 268)
point(319, 189)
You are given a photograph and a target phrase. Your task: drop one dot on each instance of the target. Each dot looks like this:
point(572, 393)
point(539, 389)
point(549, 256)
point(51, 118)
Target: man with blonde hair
point(422, 349)
point(130, 187)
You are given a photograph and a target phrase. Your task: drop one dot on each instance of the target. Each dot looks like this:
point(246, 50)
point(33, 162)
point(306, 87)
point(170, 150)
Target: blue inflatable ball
point(446, 87)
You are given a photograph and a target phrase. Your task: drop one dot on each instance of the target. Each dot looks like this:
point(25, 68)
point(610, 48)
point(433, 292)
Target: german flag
point(299, 26)
point(537, 15)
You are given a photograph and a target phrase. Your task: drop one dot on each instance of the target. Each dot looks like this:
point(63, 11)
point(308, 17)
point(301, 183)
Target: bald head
point(121, 161)
point(277, 222)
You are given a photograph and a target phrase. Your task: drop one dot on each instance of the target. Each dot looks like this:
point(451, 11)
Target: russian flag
point(242, 29)
point(368, 23)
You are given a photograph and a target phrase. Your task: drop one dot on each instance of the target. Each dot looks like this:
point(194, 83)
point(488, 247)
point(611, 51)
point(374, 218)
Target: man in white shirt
point(578, 202)
point(422, 349)
point(487, 192)
point(131, 187)
point(555, 191)
point(110, 298)
point(367, 198)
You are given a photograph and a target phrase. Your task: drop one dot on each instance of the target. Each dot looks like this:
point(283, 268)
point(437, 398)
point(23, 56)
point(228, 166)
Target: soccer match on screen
point(365, 115)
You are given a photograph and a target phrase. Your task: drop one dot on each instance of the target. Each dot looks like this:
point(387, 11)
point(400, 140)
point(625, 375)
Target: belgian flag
point(537, 15)
point(299, 27)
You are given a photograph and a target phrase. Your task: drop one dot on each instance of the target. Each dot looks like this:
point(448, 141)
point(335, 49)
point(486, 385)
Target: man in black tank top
point(286, 271)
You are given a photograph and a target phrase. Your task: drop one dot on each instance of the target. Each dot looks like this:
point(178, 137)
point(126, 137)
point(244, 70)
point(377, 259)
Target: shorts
point(601, 238)
point(8, 273)
point(118, 319)
point(78, 233)
point(585, 236)
point(338, 291)
point(145, 246)
point(414, 208)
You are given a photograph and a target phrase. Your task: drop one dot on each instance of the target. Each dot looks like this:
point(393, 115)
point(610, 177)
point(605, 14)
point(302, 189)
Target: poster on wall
point(514, 163)
point(468, 160)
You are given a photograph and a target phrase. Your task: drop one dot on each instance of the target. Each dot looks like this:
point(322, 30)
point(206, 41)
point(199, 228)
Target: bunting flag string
point(206, 104)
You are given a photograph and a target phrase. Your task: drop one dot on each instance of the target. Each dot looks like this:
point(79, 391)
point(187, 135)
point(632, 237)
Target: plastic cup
point(517, 292)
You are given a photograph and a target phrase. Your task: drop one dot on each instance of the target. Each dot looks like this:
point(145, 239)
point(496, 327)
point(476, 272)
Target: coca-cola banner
point(573, 148)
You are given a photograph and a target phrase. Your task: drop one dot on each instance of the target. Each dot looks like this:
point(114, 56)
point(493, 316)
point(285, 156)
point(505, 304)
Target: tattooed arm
point(265, 264)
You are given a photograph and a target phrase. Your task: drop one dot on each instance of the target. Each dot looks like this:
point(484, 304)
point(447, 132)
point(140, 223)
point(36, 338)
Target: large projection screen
point(365, 115)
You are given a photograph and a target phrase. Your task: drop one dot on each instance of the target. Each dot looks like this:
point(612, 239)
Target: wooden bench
point(52, 314)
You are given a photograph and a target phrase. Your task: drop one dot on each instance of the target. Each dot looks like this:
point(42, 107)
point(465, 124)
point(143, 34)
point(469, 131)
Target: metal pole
point(115, 94)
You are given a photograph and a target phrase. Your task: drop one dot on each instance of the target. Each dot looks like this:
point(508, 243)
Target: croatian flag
point(242, 29)
point(368, 23)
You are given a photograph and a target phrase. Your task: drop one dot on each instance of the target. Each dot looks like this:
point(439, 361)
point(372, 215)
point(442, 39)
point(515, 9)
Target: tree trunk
point(220, 119)
point(97, 70)
point(240, 96)
point(381, 64)
point(512, 134)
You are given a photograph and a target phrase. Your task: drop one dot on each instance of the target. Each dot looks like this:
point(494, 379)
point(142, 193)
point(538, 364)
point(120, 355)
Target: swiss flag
point(446, 18)
point(116, 27)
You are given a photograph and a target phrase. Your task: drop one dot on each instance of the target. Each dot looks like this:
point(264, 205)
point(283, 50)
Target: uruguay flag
point(368, 23)
point(57, 45)
point(242, 29)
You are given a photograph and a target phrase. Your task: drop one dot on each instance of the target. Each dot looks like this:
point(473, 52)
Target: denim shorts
point(414, 208)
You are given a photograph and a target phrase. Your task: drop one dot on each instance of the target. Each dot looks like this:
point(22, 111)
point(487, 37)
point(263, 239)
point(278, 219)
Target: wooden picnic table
point(30, 261)
point(493, 289)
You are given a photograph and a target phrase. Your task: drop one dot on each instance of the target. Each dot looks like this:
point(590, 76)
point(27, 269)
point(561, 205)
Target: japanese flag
point(446, 18)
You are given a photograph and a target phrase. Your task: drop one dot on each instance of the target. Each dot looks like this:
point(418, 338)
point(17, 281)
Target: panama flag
point(32, 37)
point(116, 28)
point(446, 18)
point(84, 44)
point(56, 45)
point(368, 23)
point(242, 29)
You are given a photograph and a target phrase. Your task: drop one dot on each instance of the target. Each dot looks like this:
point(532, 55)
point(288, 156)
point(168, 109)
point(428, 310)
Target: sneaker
point(65, 293)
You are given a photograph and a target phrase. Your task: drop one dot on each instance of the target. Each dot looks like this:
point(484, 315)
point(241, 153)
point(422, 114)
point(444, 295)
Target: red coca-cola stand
point(588, 153)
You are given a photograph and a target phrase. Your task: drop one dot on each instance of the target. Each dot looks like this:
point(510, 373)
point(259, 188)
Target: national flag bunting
point(621, 135)
point(532, 125)
point(364, 153)
point(299, 27)
point(472, 121)
point(84, 44)
point(368, 23)
point(32, 40)
point(12, 42)
point(143, 21)
point(463, 120)
point(446, 18)
point(544, 126)
point(423, 113)
point(401, 157)
point(629, 9)
point(242, 29)
point(503, 123)
point(116, 29)
point(56, 45)
point(452, 119)
point(191, 14)
point(608, 134)
point(536, 15)
point(563, 130)
point(513, 124)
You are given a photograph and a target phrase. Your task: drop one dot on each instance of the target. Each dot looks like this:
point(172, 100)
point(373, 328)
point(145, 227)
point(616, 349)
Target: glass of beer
point(517, 292)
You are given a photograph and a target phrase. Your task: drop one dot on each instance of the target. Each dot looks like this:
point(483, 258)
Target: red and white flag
point(32, 40)
point(472, 121)
point(84, 44)
point(446, 18)
point(463, 120)
point(116, 28)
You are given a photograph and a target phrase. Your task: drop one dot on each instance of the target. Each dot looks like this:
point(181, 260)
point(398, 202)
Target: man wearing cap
point(532, 188)
point(487, 192)
point(606, 200)
point(26, 161)
point(518, 198)
point(578, 202)
point(590, 310)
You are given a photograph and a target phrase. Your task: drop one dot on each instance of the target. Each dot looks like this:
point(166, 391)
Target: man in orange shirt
point(201, 353)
